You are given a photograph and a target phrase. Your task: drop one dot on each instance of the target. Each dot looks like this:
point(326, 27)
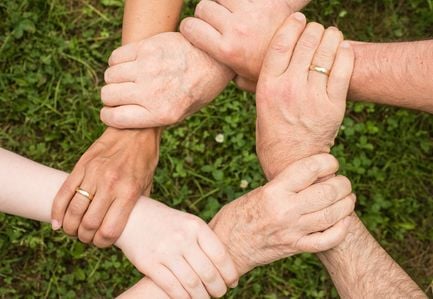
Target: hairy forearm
point(396, 74)
point(361, 268)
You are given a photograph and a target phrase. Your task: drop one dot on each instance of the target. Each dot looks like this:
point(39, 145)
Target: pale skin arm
point(28, 190)
point(394, 74)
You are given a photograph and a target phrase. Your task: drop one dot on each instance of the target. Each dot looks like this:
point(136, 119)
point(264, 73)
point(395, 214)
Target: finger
point(324, 219)
point(94, 216)
point(322, 195)
point(326, 240)
point(64, 196)
point(282, 45)
point(301, 174)
point(114, 222)
point(207, 272)
point(246, 84)
point(213, 13)
point(121, 73)
point(78, 205)
point(123, 54)
point(118, 94)
point(232, 5)
point(339, 79)
point(129, 117)
point(297, 5)
point(304, 52)
point(167, 281)
point(188, 278)
point(324, 57)
point(219, 256)
point(203, 36)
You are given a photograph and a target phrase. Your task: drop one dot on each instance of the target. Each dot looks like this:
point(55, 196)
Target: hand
point(238, 32)
point(158, 82)
point(300, 111)
point(287, 216)
point(116, 169)
point(178, 251)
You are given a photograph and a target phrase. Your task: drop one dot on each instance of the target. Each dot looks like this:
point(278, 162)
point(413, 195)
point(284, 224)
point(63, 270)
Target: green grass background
point(52, 57)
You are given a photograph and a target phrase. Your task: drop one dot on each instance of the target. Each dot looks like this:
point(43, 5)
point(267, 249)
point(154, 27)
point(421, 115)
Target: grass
point(52, 57)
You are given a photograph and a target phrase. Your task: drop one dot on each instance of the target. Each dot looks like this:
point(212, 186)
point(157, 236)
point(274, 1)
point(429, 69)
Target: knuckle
point(209, 275)
point(241, 30)
point(109, 233)
point(280, 44)
point(346, 183)
point(319, 245)
point(327, 192)
point(69, 229)
point(132, 190)
point(76, 208)
point(170, 116)
point(328, 217)
point(90, 224)
point(192, 282)
point(228, 50)
point(324, 54)
point(308, 41)
point(111, 177)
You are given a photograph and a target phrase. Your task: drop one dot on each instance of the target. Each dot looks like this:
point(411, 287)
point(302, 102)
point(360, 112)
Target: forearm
point(146, 18)
point(145, 288)
point(395, 74)
point(141, 20)
point(361, 268)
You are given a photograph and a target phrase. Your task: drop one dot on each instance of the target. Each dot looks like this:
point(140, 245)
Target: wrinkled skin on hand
point(287, 216)
point(117, 168)
point(238, 32)
point(159, 81)
point(299, 111)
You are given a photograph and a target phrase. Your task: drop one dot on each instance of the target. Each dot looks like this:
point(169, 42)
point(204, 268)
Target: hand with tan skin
point(299, 111)
point(238, 33)
point(162, 80)
point(359, 267)
point(159, 81)
point(222, 29)
point(115, 171)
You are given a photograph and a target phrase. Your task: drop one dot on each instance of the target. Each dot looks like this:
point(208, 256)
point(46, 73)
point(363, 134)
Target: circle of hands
point(266, 47)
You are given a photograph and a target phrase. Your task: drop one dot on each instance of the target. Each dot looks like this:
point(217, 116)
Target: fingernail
point(299, 16)
point(345, 45)
point(55, 224)
point(234, 285)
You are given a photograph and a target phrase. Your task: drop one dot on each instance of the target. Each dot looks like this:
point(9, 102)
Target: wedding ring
point(84, 193)
point(319, 69)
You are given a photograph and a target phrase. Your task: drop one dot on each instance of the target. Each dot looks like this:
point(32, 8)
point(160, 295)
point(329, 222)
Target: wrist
point(275, 161)
point(223, 225)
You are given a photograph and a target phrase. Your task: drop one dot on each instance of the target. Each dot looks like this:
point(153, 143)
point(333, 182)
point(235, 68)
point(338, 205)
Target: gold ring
point(319, 69)
point(84, 193)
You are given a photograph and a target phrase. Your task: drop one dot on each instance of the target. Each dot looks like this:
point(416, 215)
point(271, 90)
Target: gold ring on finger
point(319, 69)
point(84, 193)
